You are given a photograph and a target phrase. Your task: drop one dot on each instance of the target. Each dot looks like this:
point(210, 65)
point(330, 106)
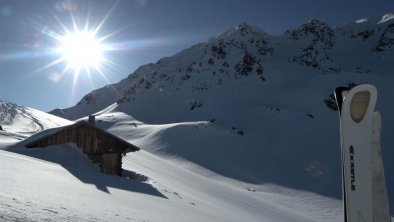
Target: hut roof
point(29, 142)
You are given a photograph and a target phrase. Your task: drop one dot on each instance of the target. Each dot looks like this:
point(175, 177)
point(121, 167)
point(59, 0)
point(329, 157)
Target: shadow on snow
point(71, 158)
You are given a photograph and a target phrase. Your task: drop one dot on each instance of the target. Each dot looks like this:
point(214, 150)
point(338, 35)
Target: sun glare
point(81, 50)
point(77, 42)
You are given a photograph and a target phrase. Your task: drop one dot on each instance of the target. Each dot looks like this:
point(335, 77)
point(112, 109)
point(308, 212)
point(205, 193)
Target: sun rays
point(76, 47)
point(74, 42)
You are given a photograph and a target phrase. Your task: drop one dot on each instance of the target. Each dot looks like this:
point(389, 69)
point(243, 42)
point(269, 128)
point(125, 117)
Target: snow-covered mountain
point(19, 122)
point(265, 102)
point(246, 51)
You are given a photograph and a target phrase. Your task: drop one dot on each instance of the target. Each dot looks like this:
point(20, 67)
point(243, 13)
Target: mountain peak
point(386, 18)
point(316, 22)
point(316, 30)
point(244, 27)
point(243, 30)
point(313, 27)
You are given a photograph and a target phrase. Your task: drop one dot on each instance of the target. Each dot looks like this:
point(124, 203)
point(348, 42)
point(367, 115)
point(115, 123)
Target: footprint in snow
point(177, 195)
point(52, 211)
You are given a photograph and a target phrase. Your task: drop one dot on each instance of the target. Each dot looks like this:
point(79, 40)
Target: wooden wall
point(111, 163)
point(102, 148)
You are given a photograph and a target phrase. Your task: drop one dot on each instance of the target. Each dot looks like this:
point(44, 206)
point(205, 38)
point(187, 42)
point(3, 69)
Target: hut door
point(111, 163)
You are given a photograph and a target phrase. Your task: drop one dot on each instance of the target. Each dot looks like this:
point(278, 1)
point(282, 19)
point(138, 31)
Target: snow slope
point(19, 122)
point(60, 184)
point(253, 107)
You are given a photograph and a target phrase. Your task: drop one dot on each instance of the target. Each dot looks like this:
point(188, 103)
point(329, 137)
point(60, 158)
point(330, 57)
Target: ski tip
point(365, 87)
point(341, 93)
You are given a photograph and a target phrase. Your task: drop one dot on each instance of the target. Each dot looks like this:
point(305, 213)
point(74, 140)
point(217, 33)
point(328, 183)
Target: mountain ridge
point(315, 37)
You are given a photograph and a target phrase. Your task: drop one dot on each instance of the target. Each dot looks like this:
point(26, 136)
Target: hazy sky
point(136, 32)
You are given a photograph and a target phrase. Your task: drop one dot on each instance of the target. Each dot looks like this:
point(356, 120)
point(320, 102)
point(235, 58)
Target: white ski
point(381, 207)
point(356, 108)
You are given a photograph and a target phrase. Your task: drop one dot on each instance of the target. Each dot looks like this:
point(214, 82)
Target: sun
point(78, 43)
point(81, 49)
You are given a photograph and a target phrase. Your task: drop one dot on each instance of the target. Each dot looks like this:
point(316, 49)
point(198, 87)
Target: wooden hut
point(103, 148)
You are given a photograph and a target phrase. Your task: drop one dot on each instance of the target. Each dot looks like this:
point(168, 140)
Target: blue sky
point(139, 32)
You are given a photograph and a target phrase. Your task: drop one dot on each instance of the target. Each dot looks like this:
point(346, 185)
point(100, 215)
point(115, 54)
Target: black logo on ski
point(352, 173)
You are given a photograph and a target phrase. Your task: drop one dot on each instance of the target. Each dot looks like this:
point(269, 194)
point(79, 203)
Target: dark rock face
point(363, 35)
point(320, 37)
point(89, 98)
point(319, 31)
point(386, 40)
